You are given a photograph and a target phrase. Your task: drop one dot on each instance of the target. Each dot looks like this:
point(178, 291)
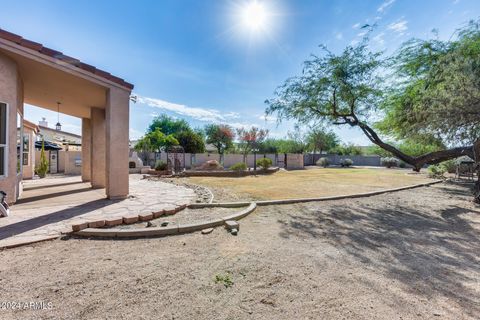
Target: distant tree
point(220, 136)
point(347, 150)
point(191, 141)
point(319, 139)
point(250, 138)
point(169, 125)
point(155, 141)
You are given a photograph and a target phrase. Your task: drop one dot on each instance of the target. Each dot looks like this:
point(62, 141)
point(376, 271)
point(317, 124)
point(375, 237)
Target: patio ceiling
point(50, 76)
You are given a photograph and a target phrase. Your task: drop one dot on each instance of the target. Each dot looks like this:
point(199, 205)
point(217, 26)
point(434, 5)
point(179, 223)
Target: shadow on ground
point(429, 240)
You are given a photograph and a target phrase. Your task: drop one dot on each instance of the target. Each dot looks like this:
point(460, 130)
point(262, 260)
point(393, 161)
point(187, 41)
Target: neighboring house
point(30, 132)
point(67, 140)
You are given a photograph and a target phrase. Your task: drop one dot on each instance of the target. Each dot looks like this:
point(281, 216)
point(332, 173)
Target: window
point(26, 149)
point(19, 142)
point(3, 139)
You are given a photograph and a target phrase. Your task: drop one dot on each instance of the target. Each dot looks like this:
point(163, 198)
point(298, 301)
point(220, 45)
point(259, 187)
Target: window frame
point(5, 146)
point(19, 134)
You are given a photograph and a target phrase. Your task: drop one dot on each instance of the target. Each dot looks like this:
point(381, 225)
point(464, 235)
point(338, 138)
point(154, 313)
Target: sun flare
point(254, 16)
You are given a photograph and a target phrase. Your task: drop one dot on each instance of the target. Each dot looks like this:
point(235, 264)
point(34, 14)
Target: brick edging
point(165, 231)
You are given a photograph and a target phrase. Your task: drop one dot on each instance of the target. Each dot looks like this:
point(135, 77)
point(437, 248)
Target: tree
point(155, 141)
point(346, 150)
point(169, 125)
point(42, 168)
point(250, 138)
point(319, 139)
point(191, 141)
point(346, 89)
point(220, 136)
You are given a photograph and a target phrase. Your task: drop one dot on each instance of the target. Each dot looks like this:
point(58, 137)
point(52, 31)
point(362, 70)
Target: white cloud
point(356, 25)
point(201, 114)
point(400, 26)
point(339, 36)
point(134, 134)
point(384, 6)
point(267, 118)
point(379, 39)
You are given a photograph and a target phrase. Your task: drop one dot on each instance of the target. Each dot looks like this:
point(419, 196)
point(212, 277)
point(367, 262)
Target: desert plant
point(161, 165)
point(264, 163)
point(346, 162)
point(390, 162)
point(239, 166)
point(324, 162)
point(226, 280)
point(436, 171)
point(42, 168)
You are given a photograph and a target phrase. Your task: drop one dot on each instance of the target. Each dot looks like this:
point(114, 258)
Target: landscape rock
point(165, 223)
point(207, 231)
point(232, 224)
point(234, 231)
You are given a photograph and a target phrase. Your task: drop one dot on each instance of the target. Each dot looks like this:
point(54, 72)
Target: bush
point(239, 166)
point(390, 162)
point(346, 162)
point(323, 162)
point(436, 171)
point(402, 164)
point(42, 168)
point(161, 165)
point(264, 163)
point(450, 166)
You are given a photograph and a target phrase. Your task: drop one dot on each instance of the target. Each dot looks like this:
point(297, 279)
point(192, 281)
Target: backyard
point(392, 256)
point(309, 183)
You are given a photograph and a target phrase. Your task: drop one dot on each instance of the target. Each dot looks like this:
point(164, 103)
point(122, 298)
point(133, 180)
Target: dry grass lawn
point(316, 182)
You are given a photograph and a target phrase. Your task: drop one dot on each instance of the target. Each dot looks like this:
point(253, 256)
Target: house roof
point(12, 37)
point(59, 131)
point(31, 125)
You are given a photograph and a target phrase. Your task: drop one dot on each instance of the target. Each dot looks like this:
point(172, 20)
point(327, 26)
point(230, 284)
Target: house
point(46, 78)
point(66, 140)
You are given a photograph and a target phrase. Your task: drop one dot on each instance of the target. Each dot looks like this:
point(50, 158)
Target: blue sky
point(194, 59)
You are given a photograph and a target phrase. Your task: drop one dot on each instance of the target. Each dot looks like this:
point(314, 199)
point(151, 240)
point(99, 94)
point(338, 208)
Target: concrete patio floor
point(48, 207)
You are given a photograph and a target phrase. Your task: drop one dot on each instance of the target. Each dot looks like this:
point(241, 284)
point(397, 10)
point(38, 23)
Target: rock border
point(164, 231)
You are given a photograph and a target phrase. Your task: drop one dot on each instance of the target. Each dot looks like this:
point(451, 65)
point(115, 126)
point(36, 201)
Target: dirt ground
point(314, 182)
point(405, 255)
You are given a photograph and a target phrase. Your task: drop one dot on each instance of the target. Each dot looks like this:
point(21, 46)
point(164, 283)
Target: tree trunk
point(476, 188)
point(417, 162)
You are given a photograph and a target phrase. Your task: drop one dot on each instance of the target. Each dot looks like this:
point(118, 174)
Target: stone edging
point(165, 231)
point(302, 200)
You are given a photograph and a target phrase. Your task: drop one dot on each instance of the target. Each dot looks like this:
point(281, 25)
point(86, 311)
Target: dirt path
point(407, 255)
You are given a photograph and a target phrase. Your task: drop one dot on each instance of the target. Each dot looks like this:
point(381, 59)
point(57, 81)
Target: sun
point(254, 16)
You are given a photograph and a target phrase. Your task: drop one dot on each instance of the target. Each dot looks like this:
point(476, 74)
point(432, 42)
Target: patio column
point(117, 149)
point(97, 164)
point(86, 149)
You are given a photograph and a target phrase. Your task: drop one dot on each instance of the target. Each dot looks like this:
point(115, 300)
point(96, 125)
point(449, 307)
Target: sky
point(218, 61)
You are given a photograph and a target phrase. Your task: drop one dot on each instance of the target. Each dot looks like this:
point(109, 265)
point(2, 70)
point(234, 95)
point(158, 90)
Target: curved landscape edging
point(165, 231)
point(302, 200)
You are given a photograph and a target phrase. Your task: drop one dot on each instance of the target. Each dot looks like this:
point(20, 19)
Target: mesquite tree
point(250, 138)
point(439, 98)
point(220, 136)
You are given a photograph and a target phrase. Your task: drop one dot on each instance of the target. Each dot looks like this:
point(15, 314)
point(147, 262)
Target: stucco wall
point(29, 170)
point(11, 93)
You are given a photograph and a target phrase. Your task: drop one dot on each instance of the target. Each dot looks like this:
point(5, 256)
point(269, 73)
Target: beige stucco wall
point(29, 170)
point(70, 162)
point(11, 93)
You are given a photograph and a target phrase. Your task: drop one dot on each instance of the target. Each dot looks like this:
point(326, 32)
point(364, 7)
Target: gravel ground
point(405, 255)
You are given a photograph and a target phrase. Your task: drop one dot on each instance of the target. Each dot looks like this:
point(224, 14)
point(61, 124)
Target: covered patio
point(49, 207)
point(43, 77)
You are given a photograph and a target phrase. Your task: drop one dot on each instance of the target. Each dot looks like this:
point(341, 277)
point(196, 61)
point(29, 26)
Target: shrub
point(239, 166)
point(390, 162)
point(264, 163)
point(161, 165)
point(346, 162)
point(450, 166)
point(324, 162)
point(402, 164)
point(42, 168)
point(436, 171)
point(211, 165)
